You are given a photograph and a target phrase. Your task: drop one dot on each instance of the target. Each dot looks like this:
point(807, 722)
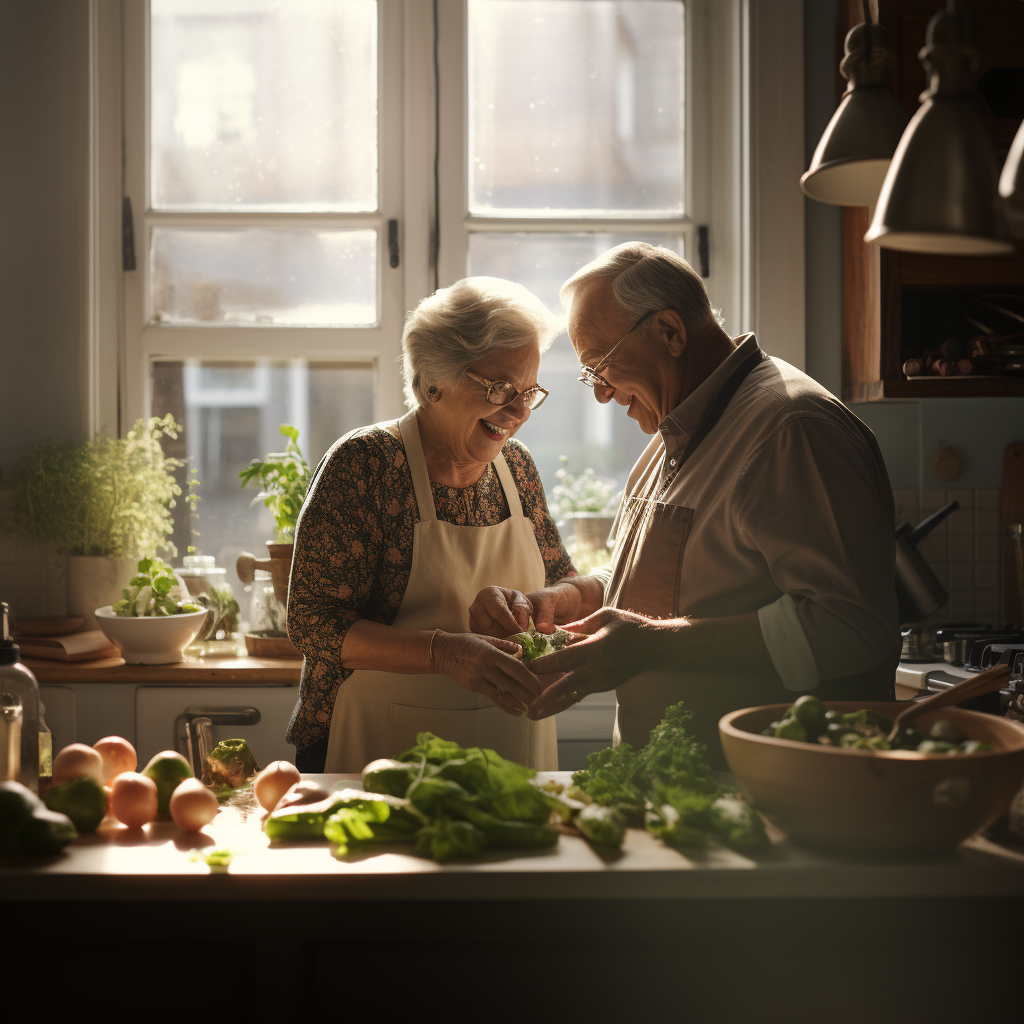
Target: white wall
point(43, 116)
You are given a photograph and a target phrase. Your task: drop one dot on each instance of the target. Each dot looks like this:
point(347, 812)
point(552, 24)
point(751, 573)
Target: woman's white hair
point(455, 327)
point(646, 278)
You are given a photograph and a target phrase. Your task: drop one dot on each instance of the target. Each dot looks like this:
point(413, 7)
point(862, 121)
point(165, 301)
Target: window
point(275, 152)
point(576, 139)
point(262, 179)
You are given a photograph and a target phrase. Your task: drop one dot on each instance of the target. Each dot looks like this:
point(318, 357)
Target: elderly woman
point(404, 523)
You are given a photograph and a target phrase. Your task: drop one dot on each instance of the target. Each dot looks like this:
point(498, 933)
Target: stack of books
point(85, 645)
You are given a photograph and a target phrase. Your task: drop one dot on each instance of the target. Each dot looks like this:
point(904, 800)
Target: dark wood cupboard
point(896, 305)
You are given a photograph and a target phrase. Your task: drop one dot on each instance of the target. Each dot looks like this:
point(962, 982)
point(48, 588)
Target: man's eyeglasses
point(590, 376)
point(500, 392)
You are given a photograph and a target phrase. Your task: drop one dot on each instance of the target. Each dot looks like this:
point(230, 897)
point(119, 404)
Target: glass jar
point(267, 616)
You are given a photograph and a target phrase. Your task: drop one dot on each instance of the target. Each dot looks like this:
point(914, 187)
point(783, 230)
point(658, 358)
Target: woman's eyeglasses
point(590, 376)
point(500, 392)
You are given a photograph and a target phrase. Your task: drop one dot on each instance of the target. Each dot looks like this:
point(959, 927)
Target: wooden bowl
point(270, 646)
point(875, 803)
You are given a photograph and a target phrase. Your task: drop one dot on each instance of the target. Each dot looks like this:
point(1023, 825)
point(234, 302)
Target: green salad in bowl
point(155, 590)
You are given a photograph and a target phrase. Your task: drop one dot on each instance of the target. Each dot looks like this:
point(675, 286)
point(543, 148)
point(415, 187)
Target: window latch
point(393, 243)
point(702, 251)
point(127, 235)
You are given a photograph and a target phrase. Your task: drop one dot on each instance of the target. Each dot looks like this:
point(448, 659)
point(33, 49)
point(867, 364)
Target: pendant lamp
point(939, 195)
point(1011, 184)
point(854, 153)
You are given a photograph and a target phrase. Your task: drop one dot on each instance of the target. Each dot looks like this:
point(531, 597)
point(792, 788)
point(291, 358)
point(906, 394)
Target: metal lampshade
point(1011, 184)
point(939, 195)
point(849, 165)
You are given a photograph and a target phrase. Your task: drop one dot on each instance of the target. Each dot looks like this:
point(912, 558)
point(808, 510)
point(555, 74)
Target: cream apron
point(378, 714)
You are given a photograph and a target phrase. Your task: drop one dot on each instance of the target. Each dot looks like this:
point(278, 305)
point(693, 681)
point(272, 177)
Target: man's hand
point(615, 652)
point(499, 611)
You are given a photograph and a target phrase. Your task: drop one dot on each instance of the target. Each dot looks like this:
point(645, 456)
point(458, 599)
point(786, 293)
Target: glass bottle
point(45, 747)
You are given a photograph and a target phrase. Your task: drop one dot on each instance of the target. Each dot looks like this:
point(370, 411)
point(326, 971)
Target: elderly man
point(753, 552)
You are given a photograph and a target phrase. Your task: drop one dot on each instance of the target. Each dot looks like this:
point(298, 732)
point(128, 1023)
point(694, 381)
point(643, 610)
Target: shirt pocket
point(648, 567)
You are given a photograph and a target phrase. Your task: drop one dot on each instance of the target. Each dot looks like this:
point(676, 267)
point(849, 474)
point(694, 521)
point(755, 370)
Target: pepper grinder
point(19, 692)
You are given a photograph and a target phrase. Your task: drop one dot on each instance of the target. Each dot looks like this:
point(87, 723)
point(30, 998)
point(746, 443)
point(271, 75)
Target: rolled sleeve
point(787, 644)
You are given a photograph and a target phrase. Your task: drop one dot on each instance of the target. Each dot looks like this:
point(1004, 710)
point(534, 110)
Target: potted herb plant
point(588, 502)
point(284, 479)
point(103, 503)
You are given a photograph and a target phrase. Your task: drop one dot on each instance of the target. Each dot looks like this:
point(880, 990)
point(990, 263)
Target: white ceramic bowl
point(150, 639)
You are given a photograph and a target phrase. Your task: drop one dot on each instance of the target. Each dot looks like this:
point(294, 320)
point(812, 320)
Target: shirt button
point(671, 462)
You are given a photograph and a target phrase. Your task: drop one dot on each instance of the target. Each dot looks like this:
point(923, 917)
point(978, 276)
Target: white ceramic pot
point(94, 581)
point(150, 639)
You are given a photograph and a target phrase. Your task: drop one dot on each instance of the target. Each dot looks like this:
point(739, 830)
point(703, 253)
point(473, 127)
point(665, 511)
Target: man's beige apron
point(378, 714)
point(647, 578)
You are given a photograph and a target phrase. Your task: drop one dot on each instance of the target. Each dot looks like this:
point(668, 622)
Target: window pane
point(575, 105)
point(231, 412)
point(571, 422)
point(259, 276)
point(258, 104)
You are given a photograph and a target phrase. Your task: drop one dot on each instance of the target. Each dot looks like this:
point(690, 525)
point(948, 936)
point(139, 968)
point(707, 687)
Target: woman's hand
point(499, 611)
point(616, 651)
point(489, 667)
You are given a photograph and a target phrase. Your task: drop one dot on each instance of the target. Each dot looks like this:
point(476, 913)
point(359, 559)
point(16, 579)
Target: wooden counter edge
point(247, 670)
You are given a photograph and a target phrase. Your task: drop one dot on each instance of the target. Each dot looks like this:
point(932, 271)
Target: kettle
point(918, 590)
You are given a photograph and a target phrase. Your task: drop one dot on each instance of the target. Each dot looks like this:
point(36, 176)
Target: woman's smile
point(493, 430)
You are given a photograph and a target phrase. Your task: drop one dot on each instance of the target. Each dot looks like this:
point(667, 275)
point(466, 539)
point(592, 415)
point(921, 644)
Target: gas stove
point(966, 653)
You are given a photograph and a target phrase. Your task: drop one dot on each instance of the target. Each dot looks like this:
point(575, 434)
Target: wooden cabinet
point(896, 305)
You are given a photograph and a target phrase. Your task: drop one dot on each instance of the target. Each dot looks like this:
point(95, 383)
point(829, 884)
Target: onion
point(118, 756)
point(192, 805)
point(77, 761)
point(133, 799)
point(273, 782)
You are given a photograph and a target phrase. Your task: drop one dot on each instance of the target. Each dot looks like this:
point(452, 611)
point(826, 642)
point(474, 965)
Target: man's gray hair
point(646, 278)
point(453, 328)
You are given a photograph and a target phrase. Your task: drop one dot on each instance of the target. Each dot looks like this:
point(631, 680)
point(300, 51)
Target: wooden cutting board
point(1013, 512)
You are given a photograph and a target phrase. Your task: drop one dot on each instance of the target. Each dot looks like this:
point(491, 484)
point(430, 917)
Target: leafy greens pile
point(452, 802)
point(668, 787)
point(536, 645)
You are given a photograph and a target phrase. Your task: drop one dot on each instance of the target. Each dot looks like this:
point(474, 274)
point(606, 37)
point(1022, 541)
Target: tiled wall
point(32, 579)
point(963, 550)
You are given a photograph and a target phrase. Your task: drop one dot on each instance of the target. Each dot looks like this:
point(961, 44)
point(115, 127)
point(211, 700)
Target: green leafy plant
point(109, 496)
point(587, 492)
point(284, 478)
point(154, 590)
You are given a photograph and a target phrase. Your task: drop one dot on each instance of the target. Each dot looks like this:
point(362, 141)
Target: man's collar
point(684, 419)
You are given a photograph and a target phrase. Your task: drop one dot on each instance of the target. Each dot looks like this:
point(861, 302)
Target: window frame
point(378, 344)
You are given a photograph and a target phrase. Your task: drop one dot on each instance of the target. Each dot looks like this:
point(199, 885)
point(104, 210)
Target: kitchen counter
point(158, 863)
point(650, 917)
point(191, 671)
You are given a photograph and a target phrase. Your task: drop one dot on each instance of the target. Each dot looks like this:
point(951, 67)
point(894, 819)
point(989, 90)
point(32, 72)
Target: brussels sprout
point(810, 713)
point(791, 729)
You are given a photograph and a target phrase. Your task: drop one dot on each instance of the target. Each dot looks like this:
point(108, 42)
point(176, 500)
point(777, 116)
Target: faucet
point(19, 713)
